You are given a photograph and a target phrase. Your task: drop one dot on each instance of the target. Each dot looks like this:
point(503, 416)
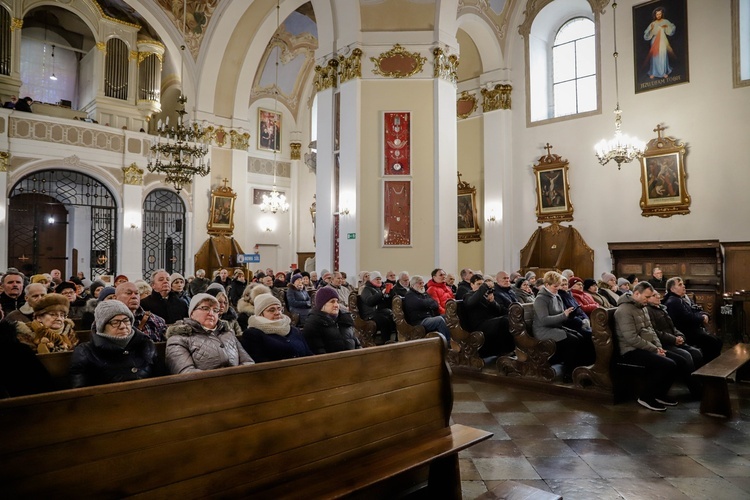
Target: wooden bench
point(372, 421)
point(365, 329)
point(531, 355)
point(404, 329)
point(469, 343)
point(714, 377)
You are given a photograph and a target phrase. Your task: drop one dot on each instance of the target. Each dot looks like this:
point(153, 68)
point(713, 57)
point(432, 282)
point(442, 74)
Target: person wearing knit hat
point(87, 314)
point(270, 335)
point(623, 286)
point(329, 329)
point(177, 285)
point(40, 278)
point(214, 289)
point(608, 288)
point(51, 330)
point(214, 344)
point(297, 298)
point(117, 352)
point(586, 300)
point(573, 280)
point(246, 306)
point(96, 288)
point(591, 288)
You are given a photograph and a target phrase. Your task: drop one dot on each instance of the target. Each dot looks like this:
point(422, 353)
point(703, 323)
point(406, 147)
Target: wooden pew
point(531, 355)
point(469, 343)
point(714, 377)
point(372, 421)
point(365, 329)
point(404, 329)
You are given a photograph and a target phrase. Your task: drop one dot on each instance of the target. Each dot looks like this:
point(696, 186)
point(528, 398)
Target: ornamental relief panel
point(22, 128)
point(265, 166)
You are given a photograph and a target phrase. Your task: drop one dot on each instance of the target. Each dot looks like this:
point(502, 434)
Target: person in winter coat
point(690, 320)
point(203, 342)
point(374, 303)
point(51, 330)
point(522, 290)
point(237, 288)
point(117, 352)
point(439, 290)
point(227, 313)
point(577, 320)
point(587, 302)
point(21, 372)
point(298, 299)
point(328, 329)
point(270, 335)
point(246, 306)
point(480, 312)
point(550, 314)
point(177, 287)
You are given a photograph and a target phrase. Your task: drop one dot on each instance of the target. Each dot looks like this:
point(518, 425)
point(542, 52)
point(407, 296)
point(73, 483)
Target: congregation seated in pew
point(328, 328)
point(421, 309)
point(270, 335)
point(480, 312)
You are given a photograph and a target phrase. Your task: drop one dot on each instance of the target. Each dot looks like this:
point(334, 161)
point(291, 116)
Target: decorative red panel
point(397, 213)
point(397, 147)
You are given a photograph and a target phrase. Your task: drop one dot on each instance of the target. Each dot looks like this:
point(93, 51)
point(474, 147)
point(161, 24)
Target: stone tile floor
point(584, 450)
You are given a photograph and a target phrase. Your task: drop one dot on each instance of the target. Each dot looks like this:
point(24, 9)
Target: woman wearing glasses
point(270, 335)
point(50, 330)
point(202, 342)
point(117, 352)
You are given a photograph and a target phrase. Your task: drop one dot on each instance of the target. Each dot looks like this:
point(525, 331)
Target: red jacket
point(587, 302)
point(440, 292)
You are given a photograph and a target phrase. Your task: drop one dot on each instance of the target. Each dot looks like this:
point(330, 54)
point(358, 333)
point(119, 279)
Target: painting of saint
point(551, 184)
point(662, 178)
point(269, 130)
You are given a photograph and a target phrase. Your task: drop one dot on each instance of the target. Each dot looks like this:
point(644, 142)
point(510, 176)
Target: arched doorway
point(163, 232)
point(58, 214)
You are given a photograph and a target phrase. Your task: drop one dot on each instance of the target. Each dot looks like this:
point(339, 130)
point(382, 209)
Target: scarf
point(269, 326)
point(120, 342)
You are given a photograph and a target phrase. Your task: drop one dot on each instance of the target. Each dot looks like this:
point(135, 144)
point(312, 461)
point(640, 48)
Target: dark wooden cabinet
point(698, 263)
point(555, 248)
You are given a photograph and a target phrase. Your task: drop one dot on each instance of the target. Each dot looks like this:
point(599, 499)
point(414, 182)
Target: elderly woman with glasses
point(203, 342)
point(117, 352)
point(50, 330)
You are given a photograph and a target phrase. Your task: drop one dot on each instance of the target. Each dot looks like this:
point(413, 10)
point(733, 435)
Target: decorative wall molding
point(350, 67)
point(398, 63)
point(265, 166)
point(326, 76)
point(4, 161)
point(24, 128)
point(496, 98)
point(445, 65)
point(132, 175)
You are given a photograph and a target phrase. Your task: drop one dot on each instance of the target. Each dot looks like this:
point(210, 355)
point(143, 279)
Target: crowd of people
point(230, 321)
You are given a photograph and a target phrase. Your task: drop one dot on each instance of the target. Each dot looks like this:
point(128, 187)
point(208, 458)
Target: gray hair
point(402, 274)
point(153, 274)
point(415, 279)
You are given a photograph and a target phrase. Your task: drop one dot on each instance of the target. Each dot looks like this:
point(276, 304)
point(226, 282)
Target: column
point(349, 184)
point(4, 201)
point(324, 187)
point(130, 261)
point(446, 158)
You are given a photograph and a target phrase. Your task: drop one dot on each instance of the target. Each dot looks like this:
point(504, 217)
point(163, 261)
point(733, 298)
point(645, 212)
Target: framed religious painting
point(660, 44)
point(396, 213)
point(552, 189)
point(397, 143)
point(221, 216)
point(663, 178)
point(269, 130)
point(468, 217)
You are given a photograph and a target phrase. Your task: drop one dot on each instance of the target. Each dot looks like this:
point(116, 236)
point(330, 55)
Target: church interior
point(406, 135)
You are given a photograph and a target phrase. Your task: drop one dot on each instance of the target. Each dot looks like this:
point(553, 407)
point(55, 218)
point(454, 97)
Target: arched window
point(574, 68)
point(163, 232)
point(561, 39)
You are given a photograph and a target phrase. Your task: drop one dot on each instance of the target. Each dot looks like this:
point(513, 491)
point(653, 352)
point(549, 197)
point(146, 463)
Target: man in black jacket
point(464, 286)
point(481, 312)
point(374, 306)
point(421, 309)
point(12, 296)
point(690, 320)
point(162, 302)
point(503, 292)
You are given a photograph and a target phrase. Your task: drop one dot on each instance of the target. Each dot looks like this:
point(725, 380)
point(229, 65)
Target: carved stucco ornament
point(132, 175)
point(398, 63)
point(350, 67)
point(496, 98)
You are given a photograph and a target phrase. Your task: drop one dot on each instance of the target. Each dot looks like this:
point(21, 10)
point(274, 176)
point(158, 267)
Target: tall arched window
point(163, 232)
point(574, 68)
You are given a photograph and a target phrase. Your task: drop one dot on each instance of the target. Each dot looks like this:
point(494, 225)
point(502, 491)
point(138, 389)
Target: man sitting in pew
point(117, 352)
point(25, 313)
point(421, 309)
point(687, 357)
point(639, 345)
point(690, 320)
point(147, 322)
point(480, 312)
point(503, 291)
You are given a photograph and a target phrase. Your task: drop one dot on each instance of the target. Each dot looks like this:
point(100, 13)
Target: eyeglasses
point(60, 315)
point(206, 309)
point(117, 323)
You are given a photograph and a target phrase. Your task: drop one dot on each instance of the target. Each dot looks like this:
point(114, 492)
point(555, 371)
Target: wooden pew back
point(469, 342)
point(531, 355)
point(241, 429)
point(366, 329)
point(404, 329)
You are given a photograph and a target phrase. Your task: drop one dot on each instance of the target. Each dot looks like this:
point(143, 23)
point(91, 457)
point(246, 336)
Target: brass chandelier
point(179, 151)
point(621, 148)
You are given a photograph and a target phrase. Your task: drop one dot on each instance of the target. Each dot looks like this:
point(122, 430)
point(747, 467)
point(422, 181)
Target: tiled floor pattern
point(584, 450)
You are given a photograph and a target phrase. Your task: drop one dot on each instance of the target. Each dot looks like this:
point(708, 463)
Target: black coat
point(372, 299)
point(476, 309)
point(21, 372)
point(504, 295)
point(419, 306)
point(171, 309)
point(327, 334)
point(101, 361)
point(9, 304)
point(262, 346)
point(462, 289)
point(687, 319)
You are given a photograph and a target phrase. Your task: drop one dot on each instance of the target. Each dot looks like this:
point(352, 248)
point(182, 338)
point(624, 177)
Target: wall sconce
point(492, 219)
point(133, 220)
point(133, 226)
point(268, 229)
point(344, 211)
point(50, 220)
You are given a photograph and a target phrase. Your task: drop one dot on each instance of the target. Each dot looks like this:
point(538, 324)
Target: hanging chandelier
point(275, 201)
point(621, 148)
point(179, 151)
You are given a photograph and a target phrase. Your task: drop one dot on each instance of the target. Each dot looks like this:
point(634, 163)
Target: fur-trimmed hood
point(188, 327)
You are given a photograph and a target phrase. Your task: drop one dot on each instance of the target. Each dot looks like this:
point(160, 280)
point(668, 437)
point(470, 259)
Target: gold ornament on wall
point(132, 175)
point(326, 76)
point(295, 150)
point(466, 104)
point(16, 24)
point(496, 98)
point(398, 63)
point(350, 67)
point(445, 65)
point(238, 140)
point(4, 161)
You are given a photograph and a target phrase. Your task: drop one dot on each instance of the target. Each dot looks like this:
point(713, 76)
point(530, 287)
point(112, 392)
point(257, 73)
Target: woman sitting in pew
point(202, 342)
point(523, 291)
point(328, 329)
point(550, 314)
point(270, 335)
point(117, 352)
point(51, 330)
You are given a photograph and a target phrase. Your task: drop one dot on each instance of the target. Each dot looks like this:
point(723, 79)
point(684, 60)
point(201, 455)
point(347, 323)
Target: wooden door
point(37, 229)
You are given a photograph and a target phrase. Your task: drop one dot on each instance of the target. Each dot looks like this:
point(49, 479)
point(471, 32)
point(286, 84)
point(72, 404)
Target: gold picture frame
point(552, 189)
point(221, 216)
point(269, 130)
point(467, 214)
point(663, 178)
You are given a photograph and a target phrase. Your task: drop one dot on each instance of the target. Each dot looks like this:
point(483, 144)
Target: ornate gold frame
point(552, 188)
point(466, 101)
point(398, 55)
point(467, 223)
point(221, 217)
point(663, 178)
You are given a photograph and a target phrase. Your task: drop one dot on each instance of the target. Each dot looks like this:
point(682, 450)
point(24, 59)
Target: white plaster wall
point(706, 113)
